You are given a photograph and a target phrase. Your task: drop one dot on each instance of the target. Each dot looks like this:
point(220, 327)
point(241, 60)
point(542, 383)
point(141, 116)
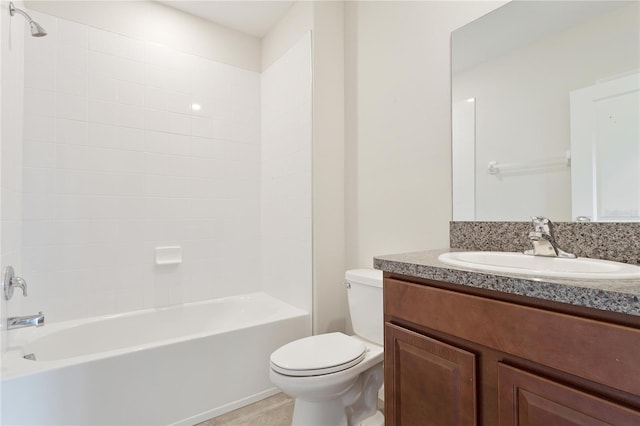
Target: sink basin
point(524, 264)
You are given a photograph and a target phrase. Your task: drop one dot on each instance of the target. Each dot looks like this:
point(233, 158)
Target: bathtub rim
point(14, 365)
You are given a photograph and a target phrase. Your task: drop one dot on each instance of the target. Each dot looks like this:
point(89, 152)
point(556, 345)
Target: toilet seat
point(318, 355)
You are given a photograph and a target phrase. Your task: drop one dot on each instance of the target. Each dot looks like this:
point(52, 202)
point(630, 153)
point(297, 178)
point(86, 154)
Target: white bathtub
point(176, 365)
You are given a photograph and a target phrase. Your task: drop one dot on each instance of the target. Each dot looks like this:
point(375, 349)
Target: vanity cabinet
point(528, 399)
point(461, 356)
point(422, 367)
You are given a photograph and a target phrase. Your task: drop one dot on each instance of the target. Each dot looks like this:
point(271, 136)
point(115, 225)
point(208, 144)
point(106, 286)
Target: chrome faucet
point(25, 321)
point(544, 244)
point(11, 281)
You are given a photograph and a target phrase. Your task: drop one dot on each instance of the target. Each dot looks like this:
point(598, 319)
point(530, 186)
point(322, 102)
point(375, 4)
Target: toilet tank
point(364, 291)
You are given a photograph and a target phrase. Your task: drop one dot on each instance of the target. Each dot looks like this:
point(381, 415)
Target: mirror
point(545, 112)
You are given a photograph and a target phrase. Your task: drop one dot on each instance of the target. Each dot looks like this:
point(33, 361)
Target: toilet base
point(323, 413)
point(355, 407)
point(376, 420)
point(328, 413)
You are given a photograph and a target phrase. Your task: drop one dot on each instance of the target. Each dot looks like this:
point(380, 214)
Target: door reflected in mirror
point(540, 136)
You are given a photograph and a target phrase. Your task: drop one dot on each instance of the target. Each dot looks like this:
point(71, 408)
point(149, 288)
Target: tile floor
point(276, 410)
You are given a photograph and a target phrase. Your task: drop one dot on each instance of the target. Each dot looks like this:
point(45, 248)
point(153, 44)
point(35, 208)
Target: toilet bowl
point(334, 377)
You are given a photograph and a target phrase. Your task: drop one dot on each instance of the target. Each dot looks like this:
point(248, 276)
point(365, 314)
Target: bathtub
point(176, 365)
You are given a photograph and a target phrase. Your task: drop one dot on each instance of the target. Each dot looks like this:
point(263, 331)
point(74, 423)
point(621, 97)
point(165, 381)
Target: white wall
point(156, 22)
point(398, 107)
point(325, 20)
point(116, 163)
point(292, 26)
point(329, 243)
point(11, 82)
point(522, 108)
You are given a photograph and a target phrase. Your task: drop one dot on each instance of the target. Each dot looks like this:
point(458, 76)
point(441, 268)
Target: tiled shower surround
point(618, 241)
point(286, 176)
point(130, 145)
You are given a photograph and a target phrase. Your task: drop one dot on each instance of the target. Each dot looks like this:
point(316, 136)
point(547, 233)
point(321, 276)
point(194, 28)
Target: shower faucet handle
point(10, 282)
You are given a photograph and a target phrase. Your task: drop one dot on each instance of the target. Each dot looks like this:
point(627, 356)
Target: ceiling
point(250, 17)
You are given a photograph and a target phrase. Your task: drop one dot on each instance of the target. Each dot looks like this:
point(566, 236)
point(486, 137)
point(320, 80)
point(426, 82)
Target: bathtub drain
point(31, 357)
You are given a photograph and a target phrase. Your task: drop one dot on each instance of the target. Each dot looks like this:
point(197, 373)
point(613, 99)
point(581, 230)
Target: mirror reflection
point(545, 112)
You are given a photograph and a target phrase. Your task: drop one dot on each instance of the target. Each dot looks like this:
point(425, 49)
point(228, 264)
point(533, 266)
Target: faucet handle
point(20, 283)
point(10, 282)
point(541, 224)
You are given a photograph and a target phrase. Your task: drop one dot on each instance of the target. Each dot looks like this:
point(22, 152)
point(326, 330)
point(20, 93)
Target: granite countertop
point(621, 295)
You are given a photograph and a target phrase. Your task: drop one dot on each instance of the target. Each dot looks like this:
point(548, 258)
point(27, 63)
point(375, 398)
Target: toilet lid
point(317, 355)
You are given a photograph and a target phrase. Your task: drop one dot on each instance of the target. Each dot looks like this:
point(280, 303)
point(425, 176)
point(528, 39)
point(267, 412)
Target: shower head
point(36, 29)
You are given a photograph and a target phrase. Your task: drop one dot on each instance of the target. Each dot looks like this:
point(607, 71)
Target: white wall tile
point(157, 54)
point(157, 76)
point(73, 34)
point(103, 135)
point(131, 48)
point(131, 138)
point(130, 116)
point(103, 88)
point(102, 112)
point(71, 157)
point(39, 76)
point(155, 120)
point(39, 233)
point(227, 130)
point(162, 164)
point(72, 58)
point(178, 102)
point(72, 182)
point(39, 128)
point(131, 163)
point(179, 123)
point(36, 207)
point(179, 144)
point(38, 180)
point(152, 140)
point(38, 154)
point(39, 102)
point(72, 132)
point(101, 64)
point(112, 170)
point(130, 93)
point(130, 70)
point(103, 41)
point(71, 107)
point(285, 173)
point(72, 82)
point(155, 98)
point(178, 81)
point(202, 127)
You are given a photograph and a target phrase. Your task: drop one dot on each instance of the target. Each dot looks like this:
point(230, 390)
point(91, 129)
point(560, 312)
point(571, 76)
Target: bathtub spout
point(25, 321)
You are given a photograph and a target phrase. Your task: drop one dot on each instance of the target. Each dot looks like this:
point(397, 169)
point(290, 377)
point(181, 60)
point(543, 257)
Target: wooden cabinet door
point(427, 382)
point(530, 400)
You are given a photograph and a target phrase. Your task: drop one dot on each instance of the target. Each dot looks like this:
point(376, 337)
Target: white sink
point(524, 264)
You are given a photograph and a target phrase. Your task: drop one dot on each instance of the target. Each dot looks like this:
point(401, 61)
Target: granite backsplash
point(619, 241)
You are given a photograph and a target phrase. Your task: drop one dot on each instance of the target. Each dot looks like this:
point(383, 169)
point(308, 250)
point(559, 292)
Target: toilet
point(334, 377)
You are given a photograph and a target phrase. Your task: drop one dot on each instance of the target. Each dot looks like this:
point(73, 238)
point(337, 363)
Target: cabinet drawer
point(529, 400)
point(594, 350)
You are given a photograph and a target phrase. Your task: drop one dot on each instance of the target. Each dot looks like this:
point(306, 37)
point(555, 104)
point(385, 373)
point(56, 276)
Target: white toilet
point(335, 378)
